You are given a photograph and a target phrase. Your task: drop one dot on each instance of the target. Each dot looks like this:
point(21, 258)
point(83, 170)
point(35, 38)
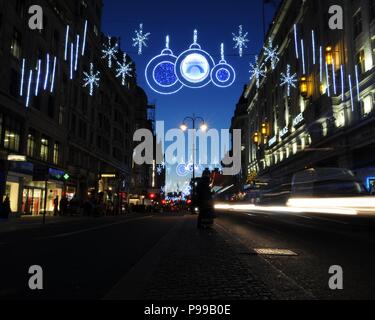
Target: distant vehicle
point(325, 183)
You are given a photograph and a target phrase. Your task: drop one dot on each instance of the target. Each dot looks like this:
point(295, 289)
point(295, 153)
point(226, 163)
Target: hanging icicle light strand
point(39, 67)
point(22, 76)
point(334, 76)
point(303, 56)
point(29, 88)
point(342, 83)
point(71, 60)
point(77, 49)
point(328, 82)
point(351, 91)
point(84, 39)
point(53, 75)
point(313, 46)
point(47, 73)
point(357, 83)
point(296, 41)
point(66, 43)
point(321, 63)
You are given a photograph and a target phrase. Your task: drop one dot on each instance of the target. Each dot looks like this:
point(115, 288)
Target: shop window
point(56, 153)
point(44, 146)
point(15, 48)
point(11, 139)
point(31, 145)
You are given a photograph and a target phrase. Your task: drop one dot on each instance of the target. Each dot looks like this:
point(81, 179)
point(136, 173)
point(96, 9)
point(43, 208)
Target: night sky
point(215, 21)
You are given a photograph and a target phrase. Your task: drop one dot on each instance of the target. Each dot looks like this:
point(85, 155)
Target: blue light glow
point(66, 43)
point(22, 76)
point(334, 76)
point(328, 82)
point(342, 83)
point(357, 83)
point(29, 89)
point(71, 60)
point(296, 41)
point(351, 91)
point(84, 39)
point(313, 46)
point(77, 49)
point(39, 67)
point(164, 74)
point(47, 73)
point(53, 74)
point(303, 56)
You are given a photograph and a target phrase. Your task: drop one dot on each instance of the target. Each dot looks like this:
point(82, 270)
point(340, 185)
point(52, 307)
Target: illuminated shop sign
point(298, 120)
point(284, 132)
point(272, 141)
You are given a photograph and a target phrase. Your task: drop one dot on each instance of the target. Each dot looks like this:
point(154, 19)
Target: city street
point(164, 257)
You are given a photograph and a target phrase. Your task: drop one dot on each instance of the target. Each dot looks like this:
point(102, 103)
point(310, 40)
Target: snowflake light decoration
point(91, 79)
point(110, 52)
point(159, 169)
point(140, 39)
point(271, 54)
point(257, 71)
point(124, 70)
point(240, 40)
point(288, 80)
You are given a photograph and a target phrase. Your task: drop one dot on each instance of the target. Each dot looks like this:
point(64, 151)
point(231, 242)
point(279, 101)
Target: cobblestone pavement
point(205, 265)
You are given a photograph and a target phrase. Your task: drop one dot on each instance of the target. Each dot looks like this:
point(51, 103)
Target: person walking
point(56, 206)
point(6, 208)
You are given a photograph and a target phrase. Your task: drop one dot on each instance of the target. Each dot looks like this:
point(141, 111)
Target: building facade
point(58, 137)
point(324, 114)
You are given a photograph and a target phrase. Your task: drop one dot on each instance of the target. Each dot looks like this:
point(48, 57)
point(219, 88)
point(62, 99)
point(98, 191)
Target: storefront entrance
point(33, 201)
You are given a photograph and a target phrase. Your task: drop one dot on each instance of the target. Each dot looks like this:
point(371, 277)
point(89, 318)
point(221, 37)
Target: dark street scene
point(192, 157)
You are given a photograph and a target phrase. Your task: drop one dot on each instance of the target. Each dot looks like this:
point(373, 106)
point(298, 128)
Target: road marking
point(68, 234)
point(276, 252)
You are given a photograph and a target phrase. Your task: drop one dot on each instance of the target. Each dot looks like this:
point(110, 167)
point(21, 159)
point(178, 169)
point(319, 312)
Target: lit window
point(56, 153)
point(44, 144)
point(11, 140)
point(31, 145)
point(15, 48)
point(367, 105)
point(357, 24)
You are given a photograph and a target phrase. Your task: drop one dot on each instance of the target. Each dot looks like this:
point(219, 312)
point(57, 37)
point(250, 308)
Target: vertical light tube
point(29, 89)
point(84, 39)
point(296, 40)
point(327, 78)
point(38, 78)
point(71, 60)
point(321, 63)
point(303, 56)
point(342, 84)
point(22, 76)
point(351, 91)
point(313, 46)
point(66, 42)
point(334, 76)
point(53, 74)
point(357, 83)
point(47, 73)
point(77, 49)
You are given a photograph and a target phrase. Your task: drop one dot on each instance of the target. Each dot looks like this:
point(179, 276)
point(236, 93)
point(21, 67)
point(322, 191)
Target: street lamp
point(203, 127)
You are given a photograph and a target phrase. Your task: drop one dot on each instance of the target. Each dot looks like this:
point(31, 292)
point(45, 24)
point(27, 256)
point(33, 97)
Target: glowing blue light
point(296, 41)
point(91, 79)
point(29, 89)
point(303, 56)
point(66, 43)
point(321, 64)
point(47, 73)
point(164, 74)
point(334, 76)
point(342, 83)
point(351, 91)
point(240, 40)
point(110, 51)
point(71, 60)
point(313, 46)
point(257, 71)
point(53, 74)
point(223, 74)
point(77, 49)
point(181, 170)
point(271, 54)
point(22, 76)
point(84, 39)
point(328, 82)
point(124, 70)
point(288, 80)
point(39, 67)
point(357, 83)
point(140, 39)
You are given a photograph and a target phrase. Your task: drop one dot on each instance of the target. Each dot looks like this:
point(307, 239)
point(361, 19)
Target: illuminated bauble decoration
point(160, 72)
point(223, 74)
point(193, 66)
point(182, 170)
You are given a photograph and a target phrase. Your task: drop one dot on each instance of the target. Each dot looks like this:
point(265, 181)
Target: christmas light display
point(321, 64)
point(288, 80)
point(257, 71)
point(91, 79)
point(351, 91)
point(84, 39)
point(124, 70)
point(303, 56)
point(39, 67)
point(271, 54)
point(240, 40)
point(342, 83)
point(22, 76)
point(110, 51)
point(296, 41)
point(53, 74)
point(313, 46)
point(334, 77)
point(140, 39)
point(29, 88)
point(223, 74)
point(328, 81)
point(47, 73)
point(66, 42)
point(71, 60)
point(77, 49)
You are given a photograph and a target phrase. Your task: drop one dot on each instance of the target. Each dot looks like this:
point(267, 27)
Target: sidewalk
point(189, 264)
